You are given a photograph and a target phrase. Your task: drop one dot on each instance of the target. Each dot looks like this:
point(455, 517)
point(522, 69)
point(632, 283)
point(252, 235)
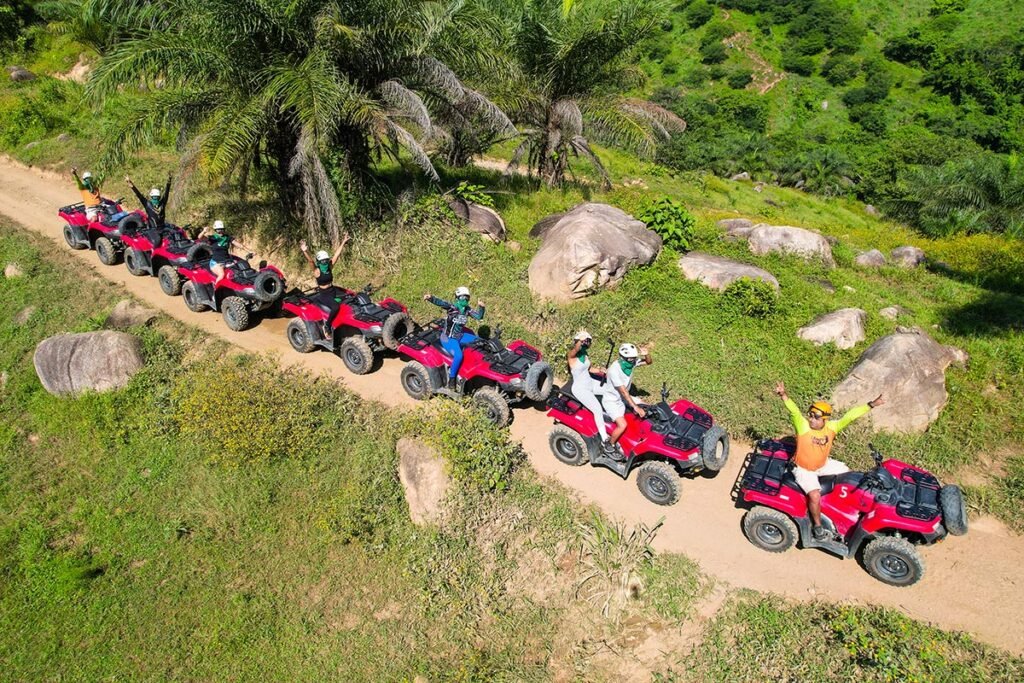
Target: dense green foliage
point(673, 223)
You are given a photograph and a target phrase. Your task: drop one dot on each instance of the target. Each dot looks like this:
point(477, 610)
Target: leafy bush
point(797, 63)
point(810, 44)
point(840, 69)
point(750, 298)
point(698, 13)
point(713, 53)
point(476, 451)
point(740, 79)
point(472, 193)
point(672, 222)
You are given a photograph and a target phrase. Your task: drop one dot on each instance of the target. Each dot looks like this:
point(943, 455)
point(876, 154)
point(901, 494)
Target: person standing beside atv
point(615, 396)
point(815, 435)
point(582, 383)
point(220, 248)
point(454, 336)
point(327, 295)
point(90, 189)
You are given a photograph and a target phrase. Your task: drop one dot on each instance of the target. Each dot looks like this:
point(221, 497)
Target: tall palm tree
point(278, 85)
point(576, 58)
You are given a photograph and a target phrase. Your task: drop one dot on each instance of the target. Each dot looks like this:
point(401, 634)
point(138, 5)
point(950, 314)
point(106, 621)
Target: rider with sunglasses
point(815, 435)
point(454, 335)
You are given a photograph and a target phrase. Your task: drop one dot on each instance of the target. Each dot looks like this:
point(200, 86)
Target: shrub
point(476, 451)
point(870, 117)
point(810, 44)
point(740, 79)
point(840, 69)
point(472, 193)
point(713, 53)
point(698, 13)
point(672, 222)
point(749, 297)
point(799, 64)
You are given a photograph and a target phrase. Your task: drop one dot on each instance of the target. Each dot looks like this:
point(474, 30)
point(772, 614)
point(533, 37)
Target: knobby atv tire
point(539, 380)
point(769, 529)
point(494, 405)
point(357, 355)
point(170, 280)
point(299, 337)
point(893, 561)
point(416, 381)
point(191, 297)
point(659, 482)
point(568, 446)
point(236, 313)
point(71, 237)
point(131, 262)
point(714, 448)
point(269, 286)
point(396, 327)
point(106, 252)
point(130, 224)
point(954, 511)
point(198, 252)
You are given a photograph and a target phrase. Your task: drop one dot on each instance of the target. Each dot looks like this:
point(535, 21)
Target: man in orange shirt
point(90, 190)
point(815, 435)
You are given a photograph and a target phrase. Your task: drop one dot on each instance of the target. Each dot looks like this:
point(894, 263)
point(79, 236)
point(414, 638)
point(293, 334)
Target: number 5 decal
point(843, 492)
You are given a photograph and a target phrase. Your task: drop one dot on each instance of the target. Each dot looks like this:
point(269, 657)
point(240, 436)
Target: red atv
point(671, 439)
point(887, 511)
point(495, 375)
point(103, 235)
point(141, 258)
point(242, 291)
point(360, 328)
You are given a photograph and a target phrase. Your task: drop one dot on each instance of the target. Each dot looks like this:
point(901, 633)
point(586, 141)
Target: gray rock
point(23, 316)
point(871, 210)
point(13, 270)
point(33, 144)
point(541, 227)
point(736, 227)
point(717, 272)
point(481, 219)
point(741, 176)
point(424, 479)
point(21, 75)
point(893, 312)
point(4, 379)
point(909, 368)
point(870, 259)
point(127, 314)
point(64, 137)
point(588, 248)
point(844, 328)
point(907, 257)
point(786, 239)
point(848, 288)
point(514, 246)
point(69, 364)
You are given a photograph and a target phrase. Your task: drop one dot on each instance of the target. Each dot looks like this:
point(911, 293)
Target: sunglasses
point(816, 413)
point(462, 298)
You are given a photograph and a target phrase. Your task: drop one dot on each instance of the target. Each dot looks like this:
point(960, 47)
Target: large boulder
point(736, 227)
point(844, 328)
point(786, 239)
point(127, 314)
point(481, 219)
point(870, 259)
point(19, 74)
point(907, 257)
point(717, 272)
point(425, 480)
point(69, 364)
point(909, 368)
point(590, 247)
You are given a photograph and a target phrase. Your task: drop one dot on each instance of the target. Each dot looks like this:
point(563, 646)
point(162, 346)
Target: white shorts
point(614, 406)
point(92, 213)
point(808, 479)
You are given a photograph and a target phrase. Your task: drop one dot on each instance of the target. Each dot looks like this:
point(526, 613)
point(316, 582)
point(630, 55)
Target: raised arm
point(856, 413)
point(78, 181)
point(437, 302)
point(479, 312)
point(305, 252)
point(799, 421)
point(138, 194)
point(341, 247)
point(162, 205)
point(575, 350)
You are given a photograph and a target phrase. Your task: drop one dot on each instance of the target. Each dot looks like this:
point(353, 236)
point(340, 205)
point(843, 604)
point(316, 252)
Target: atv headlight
point(376, 329)
point(517, 382)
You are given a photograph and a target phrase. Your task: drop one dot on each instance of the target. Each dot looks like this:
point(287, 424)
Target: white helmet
point(582, 335)
point(218, 225)
point(154, 192)
point(628, 351)
point(461, 291)
point(87, 175)
point(323, 256)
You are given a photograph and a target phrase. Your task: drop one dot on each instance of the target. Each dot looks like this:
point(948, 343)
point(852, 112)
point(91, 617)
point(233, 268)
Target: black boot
point(820, 533)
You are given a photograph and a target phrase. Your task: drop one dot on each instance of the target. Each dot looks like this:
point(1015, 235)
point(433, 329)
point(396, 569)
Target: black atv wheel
point(236, 313)
point(357, 355)
point(71, 237)
point(954, 510)
point(106, 252)
point(269, 286)
point(416, 381)
point(133, 261)
point(659, 482)
point(170, 280)
point(569, 446)
point(893, 561)
point(494, 405)
point(769, 529)
point(191, 297)
point(299, 337)
point(714, 448)
point(395, 328)
point(198, 252)
point(130, 224)
point(539, 380)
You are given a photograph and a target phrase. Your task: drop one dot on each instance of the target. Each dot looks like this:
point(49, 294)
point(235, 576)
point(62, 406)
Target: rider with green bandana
point(614, 393)
point(327, 295)
point(454, 335)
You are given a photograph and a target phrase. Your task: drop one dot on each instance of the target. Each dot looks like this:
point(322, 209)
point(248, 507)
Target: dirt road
point(973, 583)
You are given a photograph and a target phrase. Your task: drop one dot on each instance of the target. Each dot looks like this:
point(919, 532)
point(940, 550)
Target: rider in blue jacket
point(454, 336)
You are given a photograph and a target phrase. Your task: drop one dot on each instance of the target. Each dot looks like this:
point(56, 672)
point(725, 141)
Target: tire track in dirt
point(972, 583)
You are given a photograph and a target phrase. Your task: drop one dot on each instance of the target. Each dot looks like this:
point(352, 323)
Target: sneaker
point(820, 533)
point(613, 451)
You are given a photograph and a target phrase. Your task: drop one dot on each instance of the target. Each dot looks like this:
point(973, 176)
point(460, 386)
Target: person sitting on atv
point(583, 384)
point(454, 336)
point(815, 435)
point(91, 198)
point(220, 248)
point(327, 295)
point(615, 396)
point(155, 207)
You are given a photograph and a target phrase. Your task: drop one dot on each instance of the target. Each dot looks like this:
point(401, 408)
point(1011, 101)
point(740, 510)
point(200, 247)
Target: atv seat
point(574, 404)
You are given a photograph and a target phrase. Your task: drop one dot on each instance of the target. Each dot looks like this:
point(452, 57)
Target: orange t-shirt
point(813, 446)
point(90, 198)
